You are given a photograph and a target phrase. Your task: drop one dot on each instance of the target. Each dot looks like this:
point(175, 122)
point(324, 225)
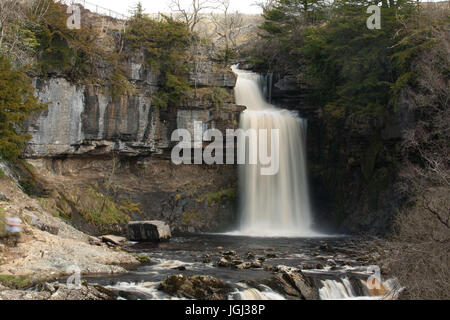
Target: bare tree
point(191, 13)
point(228, 25)
point(8, 10)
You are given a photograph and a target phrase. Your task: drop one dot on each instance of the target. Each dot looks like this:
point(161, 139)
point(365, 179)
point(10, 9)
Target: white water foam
point(277, 205)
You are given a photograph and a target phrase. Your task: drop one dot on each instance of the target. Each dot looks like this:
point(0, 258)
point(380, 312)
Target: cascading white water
point(273, 205)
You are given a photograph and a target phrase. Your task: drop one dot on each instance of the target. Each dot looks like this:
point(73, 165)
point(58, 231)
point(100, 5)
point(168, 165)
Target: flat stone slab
point(143, 231)
point(115, 240)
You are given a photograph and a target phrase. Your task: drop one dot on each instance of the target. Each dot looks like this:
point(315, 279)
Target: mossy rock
point(16, 282)
point(196, 287)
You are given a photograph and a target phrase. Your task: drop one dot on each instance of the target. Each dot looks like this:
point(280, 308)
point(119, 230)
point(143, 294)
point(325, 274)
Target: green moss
point(215, 96)
point(16, 282)
point(130, 207)
point(189, 217)
point(219, 196)
point(142, 258)
point(2, 174)
point(96, 208)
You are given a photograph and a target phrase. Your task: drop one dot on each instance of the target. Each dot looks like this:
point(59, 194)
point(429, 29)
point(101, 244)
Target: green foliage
point(16, 282)
point(281, 34)
point(74, 53)
point(17, 101)
point(349, 64)
point(96, 208)
point(217, 197)
point(164, 45)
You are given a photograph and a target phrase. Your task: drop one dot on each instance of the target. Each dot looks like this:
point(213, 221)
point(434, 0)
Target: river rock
point(298, 281)
point(256, 264)
point(195, 287)
point(153, 230)
point(229, 253)
point(114, 240)
point(223, 262)
point(244, 265)
point(279, 284)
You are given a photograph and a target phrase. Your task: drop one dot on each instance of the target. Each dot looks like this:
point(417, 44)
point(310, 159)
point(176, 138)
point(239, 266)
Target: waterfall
point(273, 205)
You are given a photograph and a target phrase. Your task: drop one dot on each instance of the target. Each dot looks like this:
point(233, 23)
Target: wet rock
point(235, 262)
point(250, 256)
point(271, 255)
point(279, 284)
point(59, 291)
point(181, 268)
point(195, 287)
point(298, 281)
point(256, 264)
point(223, 262)
point(242, 266)
point(154, 230)
point(84, 292)
point(268, 268)
point(206, 258)
point(114, 240)
point(229, 253)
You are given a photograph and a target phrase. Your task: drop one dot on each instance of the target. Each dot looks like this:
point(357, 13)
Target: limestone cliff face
point(88, 147)
point(83, 120)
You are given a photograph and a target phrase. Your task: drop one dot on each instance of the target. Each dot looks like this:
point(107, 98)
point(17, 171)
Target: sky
point(154, 6)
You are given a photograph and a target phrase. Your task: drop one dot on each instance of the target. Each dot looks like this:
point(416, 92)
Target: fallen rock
point(196, 287)
point(95, 241)
point(114, 240)
point(154, 230)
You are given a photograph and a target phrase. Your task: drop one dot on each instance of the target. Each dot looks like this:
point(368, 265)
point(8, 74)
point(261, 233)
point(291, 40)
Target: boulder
point(196, 287)
point(153, 230)
point(297, 280)
point(223, 262)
